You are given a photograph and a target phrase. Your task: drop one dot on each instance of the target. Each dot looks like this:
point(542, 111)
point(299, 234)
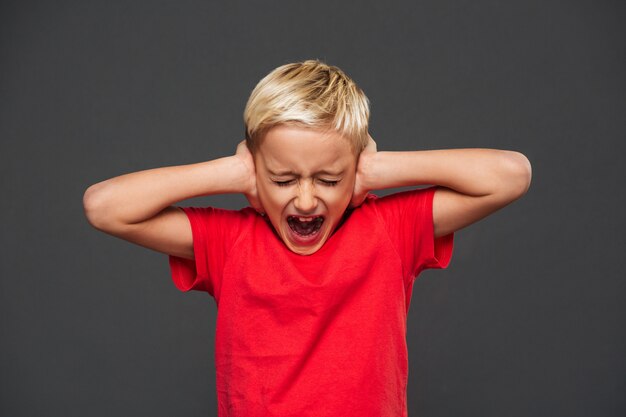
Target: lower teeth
point(305, 228)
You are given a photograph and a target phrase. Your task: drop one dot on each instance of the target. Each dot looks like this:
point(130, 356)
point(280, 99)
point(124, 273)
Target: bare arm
point(138, 206)
point(477, 181)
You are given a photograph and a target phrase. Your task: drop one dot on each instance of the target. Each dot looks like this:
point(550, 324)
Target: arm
point(475, 182)
point(137, 206)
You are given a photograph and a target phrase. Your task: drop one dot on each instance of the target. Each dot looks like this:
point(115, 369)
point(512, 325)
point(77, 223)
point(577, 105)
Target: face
point(305, 180)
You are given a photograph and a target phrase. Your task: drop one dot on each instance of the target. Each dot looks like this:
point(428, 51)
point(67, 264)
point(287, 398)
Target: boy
point(313, 282)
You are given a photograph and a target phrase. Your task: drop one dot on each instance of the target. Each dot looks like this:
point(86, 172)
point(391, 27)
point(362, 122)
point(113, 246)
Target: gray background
point(529, 318)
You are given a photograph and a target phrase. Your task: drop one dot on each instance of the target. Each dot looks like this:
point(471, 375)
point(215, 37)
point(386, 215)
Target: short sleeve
point(408, 218)
point(214, 232)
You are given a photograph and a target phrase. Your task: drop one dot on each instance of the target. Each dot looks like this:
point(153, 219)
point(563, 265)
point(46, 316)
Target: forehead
point(304, 150)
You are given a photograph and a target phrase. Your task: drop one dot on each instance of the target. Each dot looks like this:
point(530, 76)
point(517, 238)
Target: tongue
point(305, 228)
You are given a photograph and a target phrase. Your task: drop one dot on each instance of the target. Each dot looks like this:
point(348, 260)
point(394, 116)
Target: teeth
point(305, 226)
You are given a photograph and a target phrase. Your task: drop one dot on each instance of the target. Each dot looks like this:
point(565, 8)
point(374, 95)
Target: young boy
point(313, 282)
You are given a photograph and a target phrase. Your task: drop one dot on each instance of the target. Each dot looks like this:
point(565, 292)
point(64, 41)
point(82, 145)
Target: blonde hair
point(311, 94)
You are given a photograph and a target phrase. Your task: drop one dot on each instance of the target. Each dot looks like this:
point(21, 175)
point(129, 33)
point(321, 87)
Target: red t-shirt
point(319, 335)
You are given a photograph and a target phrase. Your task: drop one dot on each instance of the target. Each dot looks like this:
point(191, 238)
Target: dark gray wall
point(529, 318)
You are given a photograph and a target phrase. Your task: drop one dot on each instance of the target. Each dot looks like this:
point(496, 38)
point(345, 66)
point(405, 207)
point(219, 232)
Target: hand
point(250, 189)
point(363, 169)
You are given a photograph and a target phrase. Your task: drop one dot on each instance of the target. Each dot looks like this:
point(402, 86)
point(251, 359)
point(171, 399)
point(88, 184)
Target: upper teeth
point(305, 219)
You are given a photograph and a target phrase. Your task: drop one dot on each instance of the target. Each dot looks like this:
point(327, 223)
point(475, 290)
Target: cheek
point(348, 190)
point(339, 197)
point(271, 197)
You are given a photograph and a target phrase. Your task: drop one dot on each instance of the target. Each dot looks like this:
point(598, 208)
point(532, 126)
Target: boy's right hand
point(244, 155)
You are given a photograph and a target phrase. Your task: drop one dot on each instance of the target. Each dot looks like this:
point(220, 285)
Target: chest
point(274, 302)
point(357, 265)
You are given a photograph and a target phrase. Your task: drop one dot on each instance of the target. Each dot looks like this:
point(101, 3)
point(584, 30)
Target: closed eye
point(329, 182)
point(283, 183)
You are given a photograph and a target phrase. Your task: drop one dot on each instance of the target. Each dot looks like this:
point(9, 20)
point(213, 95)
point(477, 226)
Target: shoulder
point(402, 199)
point(210, 212)
point(220, 222)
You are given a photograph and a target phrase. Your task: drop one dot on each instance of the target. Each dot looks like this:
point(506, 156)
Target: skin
point(472, 184)
point(302, 172)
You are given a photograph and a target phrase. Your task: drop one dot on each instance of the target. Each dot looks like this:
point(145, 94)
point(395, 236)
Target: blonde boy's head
point(308, 94)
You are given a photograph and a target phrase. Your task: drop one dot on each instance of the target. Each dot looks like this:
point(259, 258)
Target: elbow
point(93, 206)
point(519, 174)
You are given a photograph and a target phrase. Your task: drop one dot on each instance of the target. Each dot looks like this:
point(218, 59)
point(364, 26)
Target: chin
point(305, 251)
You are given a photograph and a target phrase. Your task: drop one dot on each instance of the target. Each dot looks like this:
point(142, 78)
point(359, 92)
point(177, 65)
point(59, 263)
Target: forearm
point(475, 171)
point(134, 197)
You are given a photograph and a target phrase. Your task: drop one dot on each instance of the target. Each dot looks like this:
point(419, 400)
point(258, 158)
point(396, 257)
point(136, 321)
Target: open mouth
point(305, 226)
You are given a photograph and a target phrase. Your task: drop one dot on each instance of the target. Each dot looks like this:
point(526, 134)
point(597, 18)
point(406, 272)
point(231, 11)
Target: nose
point(305, 201)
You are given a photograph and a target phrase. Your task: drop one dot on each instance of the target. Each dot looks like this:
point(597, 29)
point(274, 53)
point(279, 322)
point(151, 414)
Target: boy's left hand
point(363, 169)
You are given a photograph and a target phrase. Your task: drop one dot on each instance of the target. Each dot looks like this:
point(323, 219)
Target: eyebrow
point(288, 173)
